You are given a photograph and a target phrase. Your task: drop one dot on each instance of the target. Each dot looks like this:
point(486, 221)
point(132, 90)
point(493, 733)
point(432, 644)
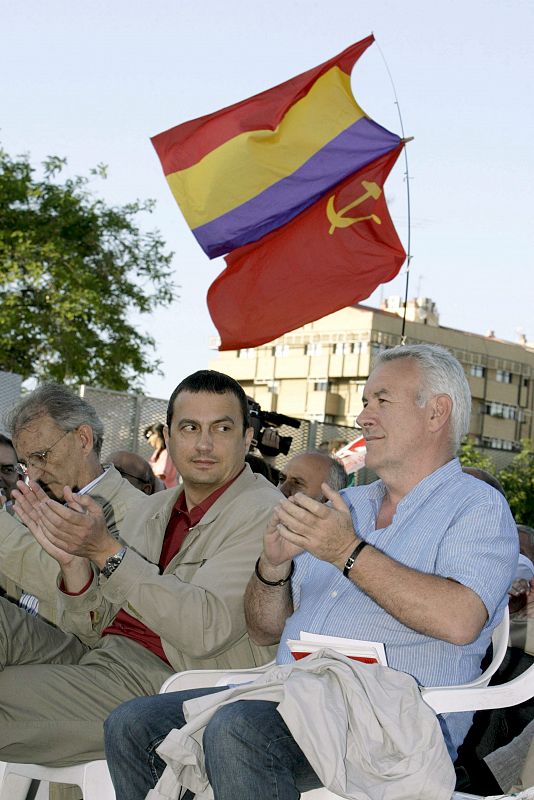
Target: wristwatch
point(112, 563)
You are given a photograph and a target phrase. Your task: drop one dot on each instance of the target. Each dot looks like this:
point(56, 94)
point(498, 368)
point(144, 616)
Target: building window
point(247, 352)
point(321, 386)
point(281, 350)
point(500, 444)
point(500, 410)
point(313, 349)
point(477, 371)
point(376, 349)
point(343, 348)
point(503, 376)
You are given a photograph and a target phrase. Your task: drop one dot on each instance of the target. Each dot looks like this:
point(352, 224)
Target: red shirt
point(180, 523)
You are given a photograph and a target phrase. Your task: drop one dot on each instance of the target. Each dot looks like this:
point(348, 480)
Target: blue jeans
point(249, 751)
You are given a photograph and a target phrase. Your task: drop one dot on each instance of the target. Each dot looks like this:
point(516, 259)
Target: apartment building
point(317, 372)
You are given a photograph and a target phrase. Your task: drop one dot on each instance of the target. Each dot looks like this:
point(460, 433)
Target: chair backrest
point(499, 641)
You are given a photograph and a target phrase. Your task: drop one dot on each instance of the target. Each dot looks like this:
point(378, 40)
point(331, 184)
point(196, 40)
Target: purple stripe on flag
point(354, 148)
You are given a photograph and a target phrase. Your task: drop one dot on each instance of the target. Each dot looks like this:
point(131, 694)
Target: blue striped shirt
point(450, 524)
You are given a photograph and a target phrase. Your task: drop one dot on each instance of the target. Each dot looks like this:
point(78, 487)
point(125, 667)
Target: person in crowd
point(507, 768)
point(307, 472)
point(136, 470)
point(258, 464)
point(58, 439)
point(422, 558)
point(161, 460)
point(8, 470)
point(512, 765)
point(8, 480)
point(166, 595)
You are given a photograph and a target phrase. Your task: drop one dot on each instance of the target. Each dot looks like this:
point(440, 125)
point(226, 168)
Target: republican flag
point(244, 171)
point(288, 183)
point(332, 255)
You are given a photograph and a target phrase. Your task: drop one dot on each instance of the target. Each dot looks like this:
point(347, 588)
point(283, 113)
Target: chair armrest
point(469, 698)
point(201, 678)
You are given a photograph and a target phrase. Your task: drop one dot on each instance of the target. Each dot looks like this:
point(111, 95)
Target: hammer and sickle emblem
point(338, 219)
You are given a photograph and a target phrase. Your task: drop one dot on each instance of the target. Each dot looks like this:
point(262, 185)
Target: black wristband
point(349, 563)
point(273, 583)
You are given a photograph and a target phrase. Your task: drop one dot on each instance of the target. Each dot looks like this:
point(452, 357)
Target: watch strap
point(112, 563)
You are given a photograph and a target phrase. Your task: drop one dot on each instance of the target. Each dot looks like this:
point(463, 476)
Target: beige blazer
point(196, 605)
point(27, 567)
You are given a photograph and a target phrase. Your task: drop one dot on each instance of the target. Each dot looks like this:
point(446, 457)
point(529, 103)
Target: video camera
point(262, 420)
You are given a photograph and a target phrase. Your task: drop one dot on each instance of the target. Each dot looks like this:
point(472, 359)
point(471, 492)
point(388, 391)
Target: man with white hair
point(421, 559)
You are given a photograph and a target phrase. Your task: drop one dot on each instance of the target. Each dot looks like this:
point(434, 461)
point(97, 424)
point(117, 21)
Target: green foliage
point(471, 457)
point(72, 270)
point(518, 483)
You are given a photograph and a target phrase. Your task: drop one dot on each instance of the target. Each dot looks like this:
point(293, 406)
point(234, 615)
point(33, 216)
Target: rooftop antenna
point(407, 180)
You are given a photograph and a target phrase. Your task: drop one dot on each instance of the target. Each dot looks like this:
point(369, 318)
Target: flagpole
point(407, 179)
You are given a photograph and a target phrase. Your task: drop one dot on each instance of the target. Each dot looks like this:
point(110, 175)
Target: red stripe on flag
point(302, 272)
point(184, 145)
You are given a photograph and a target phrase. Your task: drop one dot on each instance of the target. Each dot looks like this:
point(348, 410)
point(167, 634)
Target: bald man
point(306, 472)
point(136, 470)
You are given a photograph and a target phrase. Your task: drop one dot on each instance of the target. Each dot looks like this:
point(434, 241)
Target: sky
point(92, 81)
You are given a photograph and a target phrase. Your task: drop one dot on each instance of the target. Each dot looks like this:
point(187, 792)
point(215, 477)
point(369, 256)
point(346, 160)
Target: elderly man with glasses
point(58, 438)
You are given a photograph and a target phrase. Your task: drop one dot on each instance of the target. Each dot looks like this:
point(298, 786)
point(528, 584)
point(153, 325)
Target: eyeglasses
point(38, 459)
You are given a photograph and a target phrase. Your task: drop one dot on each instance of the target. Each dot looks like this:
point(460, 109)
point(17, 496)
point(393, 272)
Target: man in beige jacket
point(58, 437)
point(167, 595)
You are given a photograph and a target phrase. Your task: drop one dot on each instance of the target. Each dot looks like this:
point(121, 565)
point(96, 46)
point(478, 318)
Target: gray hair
point(66, 409)
point(441, 373)
point(337, 477)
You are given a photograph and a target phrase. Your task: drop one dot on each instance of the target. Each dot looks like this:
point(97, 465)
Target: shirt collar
point(91, 485)
point(196, 513)
point(424, 488)
point(420, 492)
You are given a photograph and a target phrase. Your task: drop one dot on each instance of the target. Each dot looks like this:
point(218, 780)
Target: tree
point(471, 457)
point(518, 483)
point(72, 271)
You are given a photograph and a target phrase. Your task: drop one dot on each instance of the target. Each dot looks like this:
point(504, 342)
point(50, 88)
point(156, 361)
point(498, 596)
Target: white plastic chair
point(468, 697)
point(200, 678)
point(95, 781)
point(93, 778)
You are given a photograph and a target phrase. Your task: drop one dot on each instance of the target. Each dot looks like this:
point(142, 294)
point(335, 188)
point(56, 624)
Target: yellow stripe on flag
point(244, 166)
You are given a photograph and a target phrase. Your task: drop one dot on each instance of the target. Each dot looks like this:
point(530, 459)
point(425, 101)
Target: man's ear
point(85, 435)
point(249, 434)
point(440, 411)
point(166, 435)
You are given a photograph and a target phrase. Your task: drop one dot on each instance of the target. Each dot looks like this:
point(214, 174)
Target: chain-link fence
point(320, 436)
point(125, 418)
point(10, 385)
